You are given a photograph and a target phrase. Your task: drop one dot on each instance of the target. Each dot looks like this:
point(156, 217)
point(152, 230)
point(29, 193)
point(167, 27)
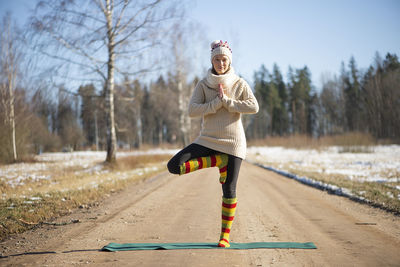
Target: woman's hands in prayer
point(220, 91)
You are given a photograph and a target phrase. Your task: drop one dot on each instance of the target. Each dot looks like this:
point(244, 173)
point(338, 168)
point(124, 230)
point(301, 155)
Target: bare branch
point(66, 60)
point(119, 30)
point(79, 23)
point(79, 79)
point(126, 3)
point(139, 50)
point(131, 32)
point(74, 48)
point(142, 71)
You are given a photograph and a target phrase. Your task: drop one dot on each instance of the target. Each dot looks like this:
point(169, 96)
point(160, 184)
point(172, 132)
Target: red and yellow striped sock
point(219, 160)
point(228, 214)
point(223, 168)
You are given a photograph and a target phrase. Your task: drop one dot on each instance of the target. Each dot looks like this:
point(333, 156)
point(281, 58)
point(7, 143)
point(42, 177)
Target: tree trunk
point(139, 129)
point(182, 116)
point(109, 94)
point(294, 119)
point(160, 132)
point(12, 117)
point(96, 131)
point(10, 64)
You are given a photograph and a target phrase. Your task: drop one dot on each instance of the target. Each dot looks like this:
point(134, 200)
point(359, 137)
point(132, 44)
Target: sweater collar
point(227, 79)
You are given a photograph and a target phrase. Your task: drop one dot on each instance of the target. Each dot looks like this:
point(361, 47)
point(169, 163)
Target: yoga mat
point(154, 246)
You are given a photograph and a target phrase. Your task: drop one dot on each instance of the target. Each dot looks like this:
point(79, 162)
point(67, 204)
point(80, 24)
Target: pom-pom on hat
point(220, 48)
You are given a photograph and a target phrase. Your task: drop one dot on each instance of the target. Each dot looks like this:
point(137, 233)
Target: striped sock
point(218, 160)
point(228, 214)
point(223, 168)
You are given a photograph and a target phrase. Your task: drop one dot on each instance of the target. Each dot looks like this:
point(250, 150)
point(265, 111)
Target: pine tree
point(88, 112)
point(261, 120)
point(300, 101)
point(353, 98)
point(281, 111)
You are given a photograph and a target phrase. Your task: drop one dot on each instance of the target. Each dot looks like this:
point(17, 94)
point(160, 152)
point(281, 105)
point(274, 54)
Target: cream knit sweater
point(222, 127)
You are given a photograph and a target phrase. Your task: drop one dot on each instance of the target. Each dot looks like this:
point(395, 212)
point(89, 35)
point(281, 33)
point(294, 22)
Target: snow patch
point(381, 165)
point(85, 161)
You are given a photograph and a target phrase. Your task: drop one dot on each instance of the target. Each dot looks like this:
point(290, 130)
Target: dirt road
point(170, 208)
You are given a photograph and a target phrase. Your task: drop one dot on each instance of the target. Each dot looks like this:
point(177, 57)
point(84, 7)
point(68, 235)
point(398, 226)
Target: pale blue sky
point(317, 33)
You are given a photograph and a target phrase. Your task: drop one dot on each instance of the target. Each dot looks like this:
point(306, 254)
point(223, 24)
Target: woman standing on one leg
point(220, 99)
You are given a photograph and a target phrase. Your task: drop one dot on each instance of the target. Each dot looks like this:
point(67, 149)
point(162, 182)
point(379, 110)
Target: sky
point(319, 34)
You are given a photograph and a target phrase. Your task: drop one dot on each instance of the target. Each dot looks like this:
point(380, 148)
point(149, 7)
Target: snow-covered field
point(380, 164)
point(49, 163)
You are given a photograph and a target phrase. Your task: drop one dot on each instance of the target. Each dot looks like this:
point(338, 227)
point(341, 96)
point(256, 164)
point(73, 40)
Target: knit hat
point(220, 48)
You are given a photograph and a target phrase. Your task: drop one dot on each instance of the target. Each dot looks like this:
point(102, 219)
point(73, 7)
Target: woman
point(219, 99)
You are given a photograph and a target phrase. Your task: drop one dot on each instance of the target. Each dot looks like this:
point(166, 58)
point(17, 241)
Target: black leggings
point(194, 151)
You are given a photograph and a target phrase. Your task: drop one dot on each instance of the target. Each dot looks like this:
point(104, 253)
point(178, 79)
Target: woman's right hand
point(220, 91)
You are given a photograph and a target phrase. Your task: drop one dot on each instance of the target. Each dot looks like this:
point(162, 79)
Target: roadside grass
point(130, 162)
point(35, 202)
point(355, 142)
point(384, 194)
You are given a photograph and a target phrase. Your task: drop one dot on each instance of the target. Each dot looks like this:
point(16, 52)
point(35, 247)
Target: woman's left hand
point(220, 91)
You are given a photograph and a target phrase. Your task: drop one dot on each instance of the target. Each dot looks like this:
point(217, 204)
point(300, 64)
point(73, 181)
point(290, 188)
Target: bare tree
point(184, 35)
point(332, 107)
point(381, 94)
point(180, 77)
point(102, 38)
point(10, 61)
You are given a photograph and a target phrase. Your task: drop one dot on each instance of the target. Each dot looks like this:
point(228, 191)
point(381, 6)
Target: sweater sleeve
point(198, 106)
point(247, 104)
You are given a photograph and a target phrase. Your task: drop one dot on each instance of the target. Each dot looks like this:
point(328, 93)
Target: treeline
point(355, 101)
point(145, 114)
point(54, 119)
point(60, 120)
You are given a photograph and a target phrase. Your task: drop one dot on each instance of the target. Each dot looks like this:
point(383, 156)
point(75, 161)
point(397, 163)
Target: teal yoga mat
point(154, 246)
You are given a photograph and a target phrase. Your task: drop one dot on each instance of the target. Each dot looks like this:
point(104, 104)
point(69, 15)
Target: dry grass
point(69, 188)
point(349, 140)
point(383, 194)
point(131, 162)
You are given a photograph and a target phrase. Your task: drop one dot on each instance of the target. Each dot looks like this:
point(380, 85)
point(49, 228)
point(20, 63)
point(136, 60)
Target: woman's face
point(220, 64)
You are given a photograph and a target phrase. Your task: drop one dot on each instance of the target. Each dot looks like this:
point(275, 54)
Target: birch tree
point(101, 41)
point(10, 60)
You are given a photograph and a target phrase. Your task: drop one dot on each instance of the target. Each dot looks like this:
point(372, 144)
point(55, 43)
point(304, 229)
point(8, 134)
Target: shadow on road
point(47, 252)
